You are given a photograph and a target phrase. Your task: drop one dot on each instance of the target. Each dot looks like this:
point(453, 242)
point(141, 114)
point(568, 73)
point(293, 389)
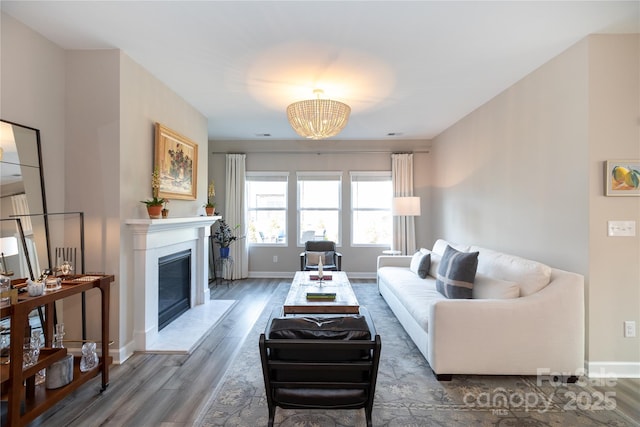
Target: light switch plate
point(621, 228)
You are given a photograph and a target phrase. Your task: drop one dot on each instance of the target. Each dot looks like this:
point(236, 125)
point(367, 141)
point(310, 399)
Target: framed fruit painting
point(622, 178)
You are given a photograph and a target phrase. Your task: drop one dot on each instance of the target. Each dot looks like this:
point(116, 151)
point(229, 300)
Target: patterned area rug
point(407, 392)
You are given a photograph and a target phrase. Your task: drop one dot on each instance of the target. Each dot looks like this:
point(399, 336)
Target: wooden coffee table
point(297, 302)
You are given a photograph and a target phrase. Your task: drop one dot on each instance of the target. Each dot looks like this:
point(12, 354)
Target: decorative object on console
point(35, 289)
point(165, 211)
point(176, 157)
point(456, 273)
point(154, 205)
point(318, 118)
point(89, 358)
point(622, 178)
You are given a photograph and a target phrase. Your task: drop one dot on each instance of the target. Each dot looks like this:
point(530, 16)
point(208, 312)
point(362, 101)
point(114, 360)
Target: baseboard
point(613, 369)
point(123, 353)
point(289, 275)
point(271, 274)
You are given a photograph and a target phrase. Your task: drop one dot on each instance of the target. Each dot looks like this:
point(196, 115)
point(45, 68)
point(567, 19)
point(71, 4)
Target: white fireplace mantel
point(153, 239)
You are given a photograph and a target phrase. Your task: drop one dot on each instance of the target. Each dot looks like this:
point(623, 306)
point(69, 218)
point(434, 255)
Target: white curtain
point(404, 238)
point(235, 213)
point(21, 207)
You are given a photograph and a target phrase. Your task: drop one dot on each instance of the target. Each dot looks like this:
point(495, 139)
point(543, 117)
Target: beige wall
point(523, 174)
point(614, 262)
point(96, 111)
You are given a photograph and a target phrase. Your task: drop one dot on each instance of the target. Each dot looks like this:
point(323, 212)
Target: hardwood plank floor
point(172, 390)
point(167, 390)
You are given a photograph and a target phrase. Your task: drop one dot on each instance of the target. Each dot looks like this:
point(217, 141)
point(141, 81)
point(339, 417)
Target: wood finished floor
point(167, 390)
point(172, 390)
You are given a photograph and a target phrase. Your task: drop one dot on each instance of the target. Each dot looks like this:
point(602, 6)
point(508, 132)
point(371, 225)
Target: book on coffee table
point(316, 276)
point(328, 296)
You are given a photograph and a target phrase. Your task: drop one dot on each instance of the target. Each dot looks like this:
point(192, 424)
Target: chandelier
point(318, 118)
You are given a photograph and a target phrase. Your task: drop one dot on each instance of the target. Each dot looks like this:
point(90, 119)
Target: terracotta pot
point(209, 211)
point(154, 211)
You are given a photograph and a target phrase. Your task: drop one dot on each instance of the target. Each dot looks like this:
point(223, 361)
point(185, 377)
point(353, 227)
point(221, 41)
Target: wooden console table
point(36, 399)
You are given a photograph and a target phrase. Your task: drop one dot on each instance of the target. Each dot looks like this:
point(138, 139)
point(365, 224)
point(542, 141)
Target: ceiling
point(406, 68)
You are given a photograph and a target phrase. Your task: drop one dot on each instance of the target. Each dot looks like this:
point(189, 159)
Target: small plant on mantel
point(210, 206)
point(154, 205)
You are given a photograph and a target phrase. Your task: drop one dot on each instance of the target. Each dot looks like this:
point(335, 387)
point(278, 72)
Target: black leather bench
point(320, 362)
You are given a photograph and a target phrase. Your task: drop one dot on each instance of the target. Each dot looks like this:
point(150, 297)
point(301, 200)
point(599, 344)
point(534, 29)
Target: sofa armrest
point(543, 331)
point(394, 261)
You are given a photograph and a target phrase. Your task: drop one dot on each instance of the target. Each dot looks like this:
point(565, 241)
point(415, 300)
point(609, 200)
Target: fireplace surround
point(157, 238)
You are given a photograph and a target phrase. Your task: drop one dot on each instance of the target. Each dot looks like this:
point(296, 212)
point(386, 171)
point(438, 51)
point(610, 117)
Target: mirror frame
point(44, 213)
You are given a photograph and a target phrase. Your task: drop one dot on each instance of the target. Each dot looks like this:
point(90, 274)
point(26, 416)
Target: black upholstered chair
point(320, 362)
point(314, 249)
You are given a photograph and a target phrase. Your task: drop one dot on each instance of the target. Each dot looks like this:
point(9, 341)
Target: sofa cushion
point(440, 245)
point(420, 263)
point(531, 276)
point(417, 295)
point(485, 287)
point(456, 273)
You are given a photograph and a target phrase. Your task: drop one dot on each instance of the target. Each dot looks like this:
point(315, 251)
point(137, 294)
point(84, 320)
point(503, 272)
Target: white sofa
point(524, 317)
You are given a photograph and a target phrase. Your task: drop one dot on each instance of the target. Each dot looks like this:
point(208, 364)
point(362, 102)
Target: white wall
point(523, 174)
point(32, 88)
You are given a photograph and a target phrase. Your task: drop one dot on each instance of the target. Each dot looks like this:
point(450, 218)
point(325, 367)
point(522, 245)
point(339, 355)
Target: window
point(319, 206)
point(371, 195)
point(267, 207)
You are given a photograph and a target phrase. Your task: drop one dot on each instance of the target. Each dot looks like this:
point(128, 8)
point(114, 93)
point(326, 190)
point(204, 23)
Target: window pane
point(267, 208)
point(267, 226)
point(319, 194)
point(371, 227)
point(371, 194)
point(319, 225)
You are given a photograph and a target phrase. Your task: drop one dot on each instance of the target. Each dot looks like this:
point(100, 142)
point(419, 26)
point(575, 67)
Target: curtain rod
point(327, 152)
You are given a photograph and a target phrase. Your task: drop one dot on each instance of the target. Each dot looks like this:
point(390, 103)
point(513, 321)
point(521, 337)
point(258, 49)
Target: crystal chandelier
point(318, 118)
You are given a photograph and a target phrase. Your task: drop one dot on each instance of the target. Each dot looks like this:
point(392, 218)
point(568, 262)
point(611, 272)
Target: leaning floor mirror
point(22, 195)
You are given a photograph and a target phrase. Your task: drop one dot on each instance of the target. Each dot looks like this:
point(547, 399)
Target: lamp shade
point(406, 206)
point(9, 246)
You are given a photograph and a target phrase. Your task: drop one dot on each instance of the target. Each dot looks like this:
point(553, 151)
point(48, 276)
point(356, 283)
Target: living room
point(541, 198)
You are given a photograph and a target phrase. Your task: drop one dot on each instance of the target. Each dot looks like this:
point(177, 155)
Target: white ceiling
point(412, 68)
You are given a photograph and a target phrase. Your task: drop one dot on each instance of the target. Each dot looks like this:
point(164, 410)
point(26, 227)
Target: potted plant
point(209, 207)
point(154, 205)
point(224, 236)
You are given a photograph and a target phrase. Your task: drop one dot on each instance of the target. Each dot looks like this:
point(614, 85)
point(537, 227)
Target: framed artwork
point(622, 177)
point(176, 158)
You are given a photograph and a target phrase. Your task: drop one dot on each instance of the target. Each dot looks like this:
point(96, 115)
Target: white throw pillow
point(531, 276)
point(420, 263)
point(485, 287)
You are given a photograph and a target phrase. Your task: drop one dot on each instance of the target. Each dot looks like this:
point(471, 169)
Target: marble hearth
point(153, 239)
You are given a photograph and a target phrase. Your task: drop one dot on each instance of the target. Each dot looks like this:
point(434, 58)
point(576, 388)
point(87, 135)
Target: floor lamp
point(404, 207)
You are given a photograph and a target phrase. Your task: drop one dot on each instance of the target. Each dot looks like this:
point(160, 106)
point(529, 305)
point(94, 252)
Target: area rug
point(407, 392)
